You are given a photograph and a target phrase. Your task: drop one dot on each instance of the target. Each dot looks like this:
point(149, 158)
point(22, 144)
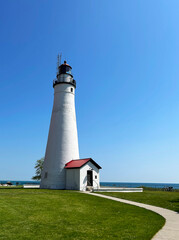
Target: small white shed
point(82, 173)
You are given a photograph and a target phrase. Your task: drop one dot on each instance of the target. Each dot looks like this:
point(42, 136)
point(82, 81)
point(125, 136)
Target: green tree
point(38, 167)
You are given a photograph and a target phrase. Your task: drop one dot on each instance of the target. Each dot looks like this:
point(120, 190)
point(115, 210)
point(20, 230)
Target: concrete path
point(170, 230)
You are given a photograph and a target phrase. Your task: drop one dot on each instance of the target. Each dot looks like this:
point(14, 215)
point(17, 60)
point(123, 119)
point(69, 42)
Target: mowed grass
point(49, 214)
point(169, 200)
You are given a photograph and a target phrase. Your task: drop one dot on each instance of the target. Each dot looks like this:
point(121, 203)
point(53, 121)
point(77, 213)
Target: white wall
point(73, 179)
point(83, 176)
point(76, 178)
point(62, 144)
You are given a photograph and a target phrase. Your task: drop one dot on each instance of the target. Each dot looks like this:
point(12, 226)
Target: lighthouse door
point(89, 178)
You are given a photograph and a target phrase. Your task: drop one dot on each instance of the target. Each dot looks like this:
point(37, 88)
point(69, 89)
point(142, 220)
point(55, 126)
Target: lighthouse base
point(80, 174)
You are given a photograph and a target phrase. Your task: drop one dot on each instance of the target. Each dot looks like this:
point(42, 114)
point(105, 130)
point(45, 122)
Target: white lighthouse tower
point(62, 144)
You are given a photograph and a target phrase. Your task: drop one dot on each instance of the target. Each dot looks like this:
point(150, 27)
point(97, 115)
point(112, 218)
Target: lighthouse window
point(46, 174)
point(71, 89)
point(95, 176)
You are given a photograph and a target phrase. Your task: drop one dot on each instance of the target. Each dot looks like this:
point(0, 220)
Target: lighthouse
point(62, 144)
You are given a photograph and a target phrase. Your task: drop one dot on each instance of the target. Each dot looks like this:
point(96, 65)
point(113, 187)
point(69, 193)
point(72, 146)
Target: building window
point(46, 174)
point(71, 89)
point(95, 176)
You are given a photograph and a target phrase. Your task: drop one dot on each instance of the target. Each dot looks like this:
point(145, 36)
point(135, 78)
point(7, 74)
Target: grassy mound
point(49, 214)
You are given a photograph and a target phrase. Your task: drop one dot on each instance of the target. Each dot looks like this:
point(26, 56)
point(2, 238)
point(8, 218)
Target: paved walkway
point(170, 230)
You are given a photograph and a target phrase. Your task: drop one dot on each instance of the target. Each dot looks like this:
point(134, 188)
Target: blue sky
point(125, 59)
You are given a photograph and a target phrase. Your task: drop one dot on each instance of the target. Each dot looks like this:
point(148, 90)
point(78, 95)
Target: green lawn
point(49, 214)
point(169, 200)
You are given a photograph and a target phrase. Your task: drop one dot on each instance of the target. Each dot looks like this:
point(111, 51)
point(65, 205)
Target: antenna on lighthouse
point(57, 62)
point(60, 58)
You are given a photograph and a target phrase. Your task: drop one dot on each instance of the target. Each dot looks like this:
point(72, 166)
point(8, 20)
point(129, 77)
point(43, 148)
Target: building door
point(89, 178)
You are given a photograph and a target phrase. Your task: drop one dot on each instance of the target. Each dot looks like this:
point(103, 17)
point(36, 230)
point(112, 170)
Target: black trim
point(71, 83)
point(99, 167)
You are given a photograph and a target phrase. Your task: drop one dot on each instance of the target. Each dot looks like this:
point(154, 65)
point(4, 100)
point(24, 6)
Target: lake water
point(19, 182)
point(108, 184)
point(133, 185)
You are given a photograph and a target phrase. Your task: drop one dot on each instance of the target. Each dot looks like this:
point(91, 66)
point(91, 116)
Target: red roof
point(80, 162)
point(65, 63)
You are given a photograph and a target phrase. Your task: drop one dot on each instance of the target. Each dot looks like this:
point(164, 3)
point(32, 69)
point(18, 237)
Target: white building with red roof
point(82, 174)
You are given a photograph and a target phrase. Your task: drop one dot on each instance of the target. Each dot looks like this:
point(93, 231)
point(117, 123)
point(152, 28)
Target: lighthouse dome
point(64, 75)
point(65, 69)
